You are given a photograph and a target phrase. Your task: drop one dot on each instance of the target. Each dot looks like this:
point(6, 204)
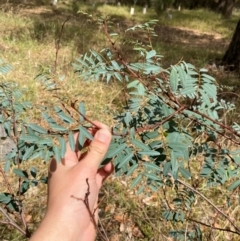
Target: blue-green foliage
point(171, 128)
point(33, 141)
point(169, 133)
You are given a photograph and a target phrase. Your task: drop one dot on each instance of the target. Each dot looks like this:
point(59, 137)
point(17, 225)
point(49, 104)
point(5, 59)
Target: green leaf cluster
point(171, 130)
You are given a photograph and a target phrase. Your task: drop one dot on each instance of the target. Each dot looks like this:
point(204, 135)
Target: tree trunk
point(232, 56)
point(225, 7)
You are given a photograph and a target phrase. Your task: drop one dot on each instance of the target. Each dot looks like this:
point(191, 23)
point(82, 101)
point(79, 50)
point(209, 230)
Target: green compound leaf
point(152, 177)
point(149, 153)
point(174, 164)
point(33, 171)
point(186, 174)
point(28, 153)
point(7, 126)
point(57, 153)
point(167, 168)
point(5, 68)
point(24, 186)
point(140, 144)
point(150, 54)
point(115, 65)
point(202, 70)
point(66, 118)
point(45, 141)
point(49, 119)
point(62, 143)
point(48, 155)
point(20, 173)
point(84, 131)
point(30, 138)
point(127, 118)
point(150, 135)
point(136, 181)
point(174, 80)
point(154, 188)
point(115, 149)
point(7, 166)
point(37, 154)
point(132, 169)
point(234, 185)
point(141, 89)
point(151, 166)
point(5, 198)
point(206, 171)
point(81, 139)
point(71, 141)
point(82, 110)
point(57, 127)
point(182, 76)
point(37, 128)
point(168, 215)
point(208, 77)
point(140, 190)
point(133, 84)
point(126, 159)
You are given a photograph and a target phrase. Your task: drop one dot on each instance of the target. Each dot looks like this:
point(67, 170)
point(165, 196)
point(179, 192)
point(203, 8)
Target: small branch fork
point(10, 221)
point(92, 215)
point(213, 205)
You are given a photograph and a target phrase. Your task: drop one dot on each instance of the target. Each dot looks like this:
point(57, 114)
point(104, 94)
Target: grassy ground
point(28, 35)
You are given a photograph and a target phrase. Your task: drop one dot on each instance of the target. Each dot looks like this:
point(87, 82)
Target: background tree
point(232, 55)
point(225, 7)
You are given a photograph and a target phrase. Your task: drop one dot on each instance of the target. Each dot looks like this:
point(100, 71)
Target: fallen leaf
point(110, 208)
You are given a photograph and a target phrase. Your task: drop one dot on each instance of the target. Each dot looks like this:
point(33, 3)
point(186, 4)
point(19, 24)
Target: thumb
point(97, 149)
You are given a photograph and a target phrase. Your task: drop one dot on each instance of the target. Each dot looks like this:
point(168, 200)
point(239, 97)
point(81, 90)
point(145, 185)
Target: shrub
point(170, 136)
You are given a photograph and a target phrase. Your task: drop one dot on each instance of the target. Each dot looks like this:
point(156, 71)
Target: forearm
point(55, 228)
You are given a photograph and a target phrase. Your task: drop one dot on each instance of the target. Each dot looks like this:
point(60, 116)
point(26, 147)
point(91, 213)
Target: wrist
point(54, 228)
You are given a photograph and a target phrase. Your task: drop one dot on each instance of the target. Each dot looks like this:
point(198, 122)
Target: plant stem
point(212, 204)
point(11, 222)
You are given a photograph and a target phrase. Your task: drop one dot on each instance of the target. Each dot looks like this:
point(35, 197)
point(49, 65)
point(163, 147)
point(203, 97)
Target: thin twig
point(58, 46)
point(15, 133)
point(92, 218)
point(11, 222)
point(6, 181)
point(209, 202)
point(99, 220)
point(152, 224)
point(231, 93)
point(84, 117)
point(16, 136)
point(212, 227)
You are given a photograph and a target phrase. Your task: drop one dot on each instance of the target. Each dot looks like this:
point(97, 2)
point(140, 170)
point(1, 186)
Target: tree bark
point(232, 56)
point(225, 7)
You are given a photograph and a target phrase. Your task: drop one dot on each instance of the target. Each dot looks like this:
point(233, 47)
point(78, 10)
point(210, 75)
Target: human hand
point(70, 207)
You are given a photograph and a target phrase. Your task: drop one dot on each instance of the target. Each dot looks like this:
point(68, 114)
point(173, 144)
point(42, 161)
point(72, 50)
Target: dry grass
point(28, 42)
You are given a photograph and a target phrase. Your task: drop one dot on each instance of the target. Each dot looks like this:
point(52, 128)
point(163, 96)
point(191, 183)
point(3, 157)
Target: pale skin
point(67, 217)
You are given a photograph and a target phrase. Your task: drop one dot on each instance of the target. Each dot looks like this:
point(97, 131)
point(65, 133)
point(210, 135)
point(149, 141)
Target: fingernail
point(102, 135)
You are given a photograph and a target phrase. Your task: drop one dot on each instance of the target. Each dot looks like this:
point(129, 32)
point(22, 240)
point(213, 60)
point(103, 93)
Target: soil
point(185, 36)
point(179, 35)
